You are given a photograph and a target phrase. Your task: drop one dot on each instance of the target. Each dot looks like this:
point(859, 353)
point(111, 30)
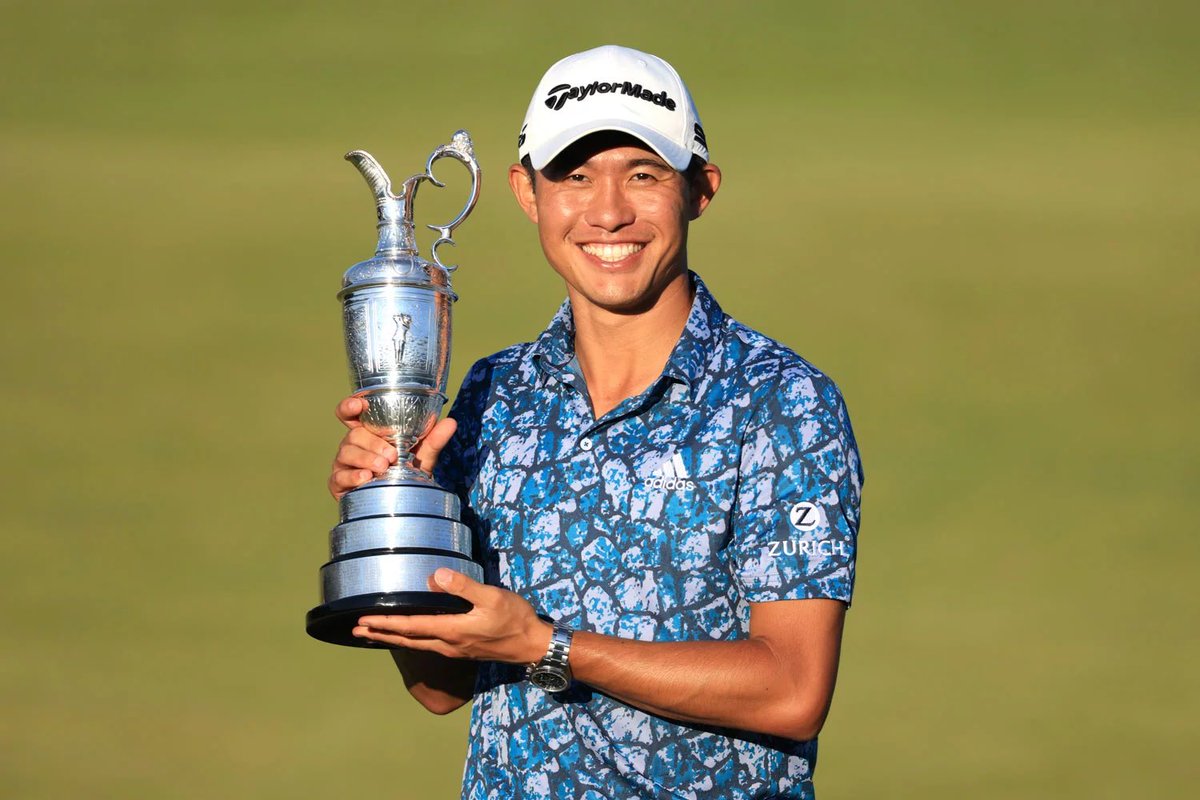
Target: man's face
point(612, 218)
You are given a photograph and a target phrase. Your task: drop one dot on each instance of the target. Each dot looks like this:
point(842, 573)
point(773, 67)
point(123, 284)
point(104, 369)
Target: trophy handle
point(460, 149)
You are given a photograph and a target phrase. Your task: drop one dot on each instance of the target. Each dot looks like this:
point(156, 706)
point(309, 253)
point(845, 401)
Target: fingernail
point(391, 453)
point(443, 576)
point(365, 476)
point(380, 464)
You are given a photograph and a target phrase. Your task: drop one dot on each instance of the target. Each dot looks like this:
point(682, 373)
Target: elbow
point(440, 685)
point(800, 722)
point(440, 704)
point(806, 728)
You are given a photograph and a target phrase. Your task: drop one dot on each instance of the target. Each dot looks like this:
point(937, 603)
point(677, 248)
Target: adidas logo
point(671, 474)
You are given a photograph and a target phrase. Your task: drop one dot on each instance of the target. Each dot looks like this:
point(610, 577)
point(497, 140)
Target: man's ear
point(522, 189)
point(704, 185)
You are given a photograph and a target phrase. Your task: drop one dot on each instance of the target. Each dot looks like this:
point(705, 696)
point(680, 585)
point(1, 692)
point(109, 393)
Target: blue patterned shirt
point(733, 479)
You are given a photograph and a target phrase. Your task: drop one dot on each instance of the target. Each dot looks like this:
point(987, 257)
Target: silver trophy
point(398, 529)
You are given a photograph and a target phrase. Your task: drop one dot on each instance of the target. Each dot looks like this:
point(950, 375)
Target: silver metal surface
point(396, 308)
point(459, 148)
point(380, 498)
point(393, 572)
point(395, 212)
point(380, 533)
point(396, 322)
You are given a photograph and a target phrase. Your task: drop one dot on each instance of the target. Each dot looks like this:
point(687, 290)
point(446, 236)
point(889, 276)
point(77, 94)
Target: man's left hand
point(502, 626)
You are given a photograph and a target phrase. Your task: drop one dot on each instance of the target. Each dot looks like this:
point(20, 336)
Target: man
point(665, 501)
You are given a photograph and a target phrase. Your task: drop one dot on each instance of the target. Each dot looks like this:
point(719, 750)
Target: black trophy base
point(334, 622)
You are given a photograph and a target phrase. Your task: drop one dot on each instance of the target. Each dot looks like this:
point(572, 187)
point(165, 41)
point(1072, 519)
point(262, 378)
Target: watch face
point(549, 679)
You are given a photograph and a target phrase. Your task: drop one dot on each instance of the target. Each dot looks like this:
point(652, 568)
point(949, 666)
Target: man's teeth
point(611, 252)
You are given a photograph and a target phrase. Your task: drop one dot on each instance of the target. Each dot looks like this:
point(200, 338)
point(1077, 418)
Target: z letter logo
point(805, 516)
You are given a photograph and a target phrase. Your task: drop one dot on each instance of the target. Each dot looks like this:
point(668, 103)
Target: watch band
point(558, 653)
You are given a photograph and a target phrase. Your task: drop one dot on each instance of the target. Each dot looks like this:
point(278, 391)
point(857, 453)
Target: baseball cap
point(612, 88)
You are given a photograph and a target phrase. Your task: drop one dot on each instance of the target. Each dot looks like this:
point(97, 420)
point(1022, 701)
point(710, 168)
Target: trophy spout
point(394, 212)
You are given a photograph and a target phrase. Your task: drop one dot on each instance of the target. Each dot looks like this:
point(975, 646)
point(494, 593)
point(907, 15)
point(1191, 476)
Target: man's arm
point(778, 681)
point(438, 683)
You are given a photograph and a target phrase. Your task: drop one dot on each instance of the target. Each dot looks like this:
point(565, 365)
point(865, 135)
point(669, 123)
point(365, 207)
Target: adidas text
point(670, 483)
point(671, 475)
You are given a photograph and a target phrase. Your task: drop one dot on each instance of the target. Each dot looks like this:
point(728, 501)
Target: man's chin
point(625, 303)
point(621, 298)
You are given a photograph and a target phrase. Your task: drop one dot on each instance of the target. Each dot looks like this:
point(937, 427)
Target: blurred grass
point(980, 218)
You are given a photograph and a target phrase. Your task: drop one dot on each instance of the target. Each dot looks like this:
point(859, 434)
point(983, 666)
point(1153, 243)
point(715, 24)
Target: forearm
point(738, 684)
point(438, 683)
point(779, 680)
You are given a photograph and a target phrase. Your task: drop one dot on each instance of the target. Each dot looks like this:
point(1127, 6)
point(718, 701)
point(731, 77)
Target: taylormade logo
point(671, 475)
point(557, 97)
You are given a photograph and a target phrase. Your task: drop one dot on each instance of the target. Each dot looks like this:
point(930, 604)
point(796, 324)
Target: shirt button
point(586, 443)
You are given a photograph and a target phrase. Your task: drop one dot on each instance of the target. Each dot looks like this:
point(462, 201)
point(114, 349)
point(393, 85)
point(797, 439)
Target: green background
point(980, 218)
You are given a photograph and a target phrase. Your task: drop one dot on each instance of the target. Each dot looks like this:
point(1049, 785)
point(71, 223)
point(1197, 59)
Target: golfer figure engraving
point(403, 323)
point(396, 530)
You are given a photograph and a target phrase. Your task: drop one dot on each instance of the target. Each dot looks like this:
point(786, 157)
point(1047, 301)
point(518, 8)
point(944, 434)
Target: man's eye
point(575, 177)
point(643, 176)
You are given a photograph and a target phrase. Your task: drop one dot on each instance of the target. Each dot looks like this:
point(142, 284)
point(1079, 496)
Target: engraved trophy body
point(396, 530)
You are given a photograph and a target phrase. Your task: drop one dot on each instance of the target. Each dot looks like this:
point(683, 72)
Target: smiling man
point(665, 501)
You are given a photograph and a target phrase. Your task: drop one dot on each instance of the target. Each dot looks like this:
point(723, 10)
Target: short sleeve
point(458, 462)
point(796, 519)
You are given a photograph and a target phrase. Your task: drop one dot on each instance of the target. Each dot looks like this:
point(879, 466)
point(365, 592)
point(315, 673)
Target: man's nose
point(610, 208)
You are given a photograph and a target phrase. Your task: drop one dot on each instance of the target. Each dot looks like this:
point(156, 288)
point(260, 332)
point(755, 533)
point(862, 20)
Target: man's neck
point(622, 354)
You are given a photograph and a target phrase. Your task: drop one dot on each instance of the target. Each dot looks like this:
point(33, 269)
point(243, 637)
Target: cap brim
point(678, 157)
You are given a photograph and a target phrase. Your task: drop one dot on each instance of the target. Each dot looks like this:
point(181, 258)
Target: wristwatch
point(552, 673)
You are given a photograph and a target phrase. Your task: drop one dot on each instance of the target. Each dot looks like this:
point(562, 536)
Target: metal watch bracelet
point(557, 653)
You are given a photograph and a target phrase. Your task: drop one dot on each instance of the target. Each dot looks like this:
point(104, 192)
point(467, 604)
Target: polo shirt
point(733, 479)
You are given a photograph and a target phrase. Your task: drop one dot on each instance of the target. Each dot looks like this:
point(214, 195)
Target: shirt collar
point(698, 342)
point(554, 349)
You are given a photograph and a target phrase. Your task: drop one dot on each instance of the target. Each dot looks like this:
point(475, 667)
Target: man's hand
point(501, 627)
point(438, 684)
point(362, 455)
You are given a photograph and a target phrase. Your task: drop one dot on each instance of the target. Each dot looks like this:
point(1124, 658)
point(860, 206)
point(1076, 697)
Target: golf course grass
point(982, 219)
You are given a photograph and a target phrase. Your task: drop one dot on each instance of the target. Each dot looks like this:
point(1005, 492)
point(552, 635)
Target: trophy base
point(334, 622)
point(394, 534)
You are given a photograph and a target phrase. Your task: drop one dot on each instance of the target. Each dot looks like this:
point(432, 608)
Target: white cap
point(612, 88)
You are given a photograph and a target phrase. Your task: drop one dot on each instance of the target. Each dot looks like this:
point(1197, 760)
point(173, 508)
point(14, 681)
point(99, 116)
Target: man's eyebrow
point(648, 162)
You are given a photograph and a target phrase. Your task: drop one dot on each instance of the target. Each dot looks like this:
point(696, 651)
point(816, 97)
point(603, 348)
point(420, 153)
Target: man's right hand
point(362, 455)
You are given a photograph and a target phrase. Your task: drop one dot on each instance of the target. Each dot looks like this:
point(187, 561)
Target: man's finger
point(349, 455)
point(425, 454)
point(350, 478)
point(361, 437)
point(418, 627)
point(348, 410)
point(396, 640)
point(456, 583)
point(343, 480)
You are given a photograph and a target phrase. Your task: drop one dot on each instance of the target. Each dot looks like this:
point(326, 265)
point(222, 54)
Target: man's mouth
point(612, 253)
